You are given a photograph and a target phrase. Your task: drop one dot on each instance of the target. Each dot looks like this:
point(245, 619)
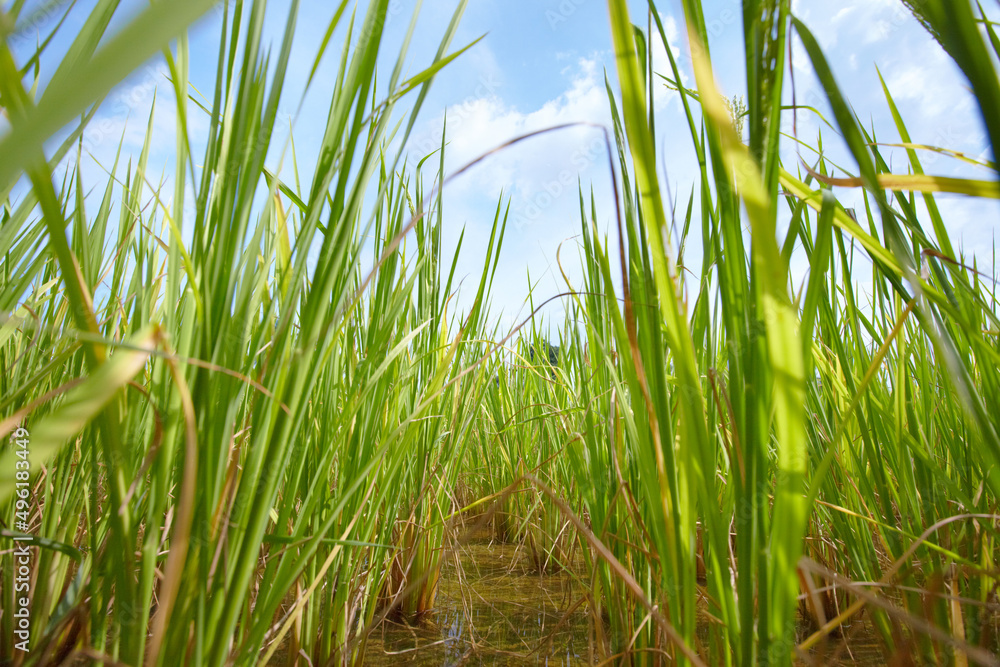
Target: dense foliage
point(248, 446)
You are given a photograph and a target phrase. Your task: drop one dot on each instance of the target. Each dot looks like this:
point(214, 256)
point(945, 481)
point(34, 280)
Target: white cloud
point(540, 176)
point(661, 63)
point(479, 125)
point(932, 82)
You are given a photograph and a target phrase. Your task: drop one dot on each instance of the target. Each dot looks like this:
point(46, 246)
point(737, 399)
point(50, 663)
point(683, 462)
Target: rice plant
point(259, 424)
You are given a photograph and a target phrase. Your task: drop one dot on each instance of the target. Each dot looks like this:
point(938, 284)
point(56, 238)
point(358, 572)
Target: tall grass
point(754, 473)
point(248, 414)
point(249, 443)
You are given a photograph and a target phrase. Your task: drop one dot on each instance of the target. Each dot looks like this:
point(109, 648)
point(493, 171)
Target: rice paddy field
point(259, 429)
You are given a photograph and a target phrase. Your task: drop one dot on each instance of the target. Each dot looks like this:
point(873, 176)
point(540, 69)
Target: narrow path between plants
point(494, 608)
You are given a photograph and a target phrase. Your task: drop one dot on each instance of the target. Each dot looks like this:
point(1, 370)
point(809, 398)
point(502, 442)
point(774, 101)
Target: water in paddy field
point(493, 609)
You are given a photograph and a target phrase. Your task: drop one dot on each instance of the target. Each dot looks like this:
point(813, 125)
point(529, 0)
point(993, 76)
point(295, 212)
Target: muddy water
point(491, 609)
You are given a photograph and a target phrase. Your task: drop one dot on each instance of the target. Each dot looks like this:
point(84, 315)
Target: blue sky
point(542, 63)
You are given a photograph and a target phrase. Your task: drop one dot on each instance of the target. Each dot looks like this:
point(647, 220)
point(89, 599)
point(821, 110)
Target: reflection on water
point(492, 610)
